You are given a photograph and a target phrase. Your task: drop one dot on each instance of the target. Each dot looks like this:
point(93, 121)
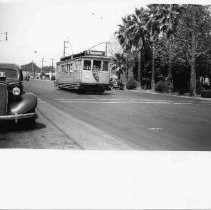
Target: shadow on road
point(86, 92)
point(6, 127)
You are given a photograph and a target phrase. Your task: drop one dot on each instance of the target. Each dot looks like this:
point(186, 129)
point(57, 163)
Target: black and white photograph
point(110, 99)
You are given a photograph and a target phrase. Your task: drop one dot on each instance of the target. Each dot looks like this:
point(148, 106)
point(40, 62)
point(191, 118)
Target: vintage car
point(15, 104)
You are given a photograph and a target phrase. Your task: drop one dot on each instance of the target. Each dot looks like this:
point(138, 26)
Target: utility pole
point(6, 38)
point(33, 69)
point(6, 35)
point(106, 48)
point(42, 63)
point(33, 73)
point(52, 64)
point(65, 42)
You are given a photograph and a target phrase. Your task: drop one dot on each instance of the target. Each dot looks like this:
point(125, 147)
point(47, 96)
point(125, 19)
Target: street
point(115, 120)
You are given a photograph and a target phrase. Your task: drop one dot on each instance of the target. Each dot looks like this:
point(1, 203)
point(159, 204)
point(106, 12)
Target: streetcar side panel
point(68, 74)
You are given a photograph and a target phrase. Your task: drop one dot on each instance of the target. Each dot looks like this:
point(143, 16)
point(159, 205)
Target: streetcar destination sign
point(99, 53)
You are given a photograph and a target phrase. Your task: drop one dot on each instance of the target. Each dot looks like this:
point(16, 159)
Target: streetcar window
point(71, 67)
point(96, 65)
point(87, 65)
point(105, 66)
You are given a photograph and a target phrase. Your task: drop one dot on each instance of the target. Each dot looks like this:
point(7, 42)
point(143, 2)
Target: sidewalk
point(170, 94)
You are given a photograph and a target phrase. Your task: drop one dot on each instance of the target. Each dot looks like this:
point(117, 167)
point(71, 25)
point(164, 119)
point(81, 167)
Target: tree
point(131, 35)
point(30, 67)
point(167, 15)
point(124, 37)
point(153, 28)
point(193, 29)
point(177, 36)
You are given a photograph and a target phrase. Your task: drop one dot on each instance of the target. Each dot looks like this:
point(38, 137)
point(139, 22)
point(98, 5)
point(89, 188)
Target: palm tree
point(132, 35)
point(139, 34)
point(167, 15)
point(153, 28)
point(124, 37)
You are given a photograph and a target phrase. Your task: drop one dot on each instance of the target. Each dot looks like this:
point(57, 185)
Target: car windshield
point(10, 73)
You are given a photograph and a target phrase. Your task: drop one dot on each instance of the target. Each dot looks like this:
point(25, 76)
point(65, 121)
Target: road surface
point(115, 120)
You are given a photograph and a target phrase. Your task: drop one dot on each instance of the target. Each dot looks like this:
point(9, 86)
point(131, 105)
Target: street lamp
point(33, 71)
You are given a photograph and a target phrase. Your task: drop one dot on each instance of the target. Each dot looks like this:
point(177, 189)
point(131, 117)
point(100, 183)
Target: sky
point(38, 28)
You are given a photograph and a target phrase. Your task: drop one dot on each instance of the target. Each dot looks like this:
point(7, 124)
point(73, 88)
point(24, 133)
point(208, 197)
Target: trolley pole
point(65, 42)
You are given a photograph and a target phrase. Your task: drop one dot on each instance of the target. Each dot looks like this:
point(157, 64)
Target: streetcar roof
point(87, 54)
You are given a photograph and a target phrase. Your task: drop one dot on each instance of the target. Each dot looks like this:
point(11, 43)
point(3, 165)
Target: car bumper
point(17, 117)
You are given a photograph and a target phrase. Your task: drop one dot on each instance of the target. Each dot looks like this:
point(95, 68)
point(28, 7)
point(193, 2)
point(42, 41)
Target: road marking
point(157, 102)
point(181, 103)
point(129, 100)
point(152, 129)
point(104, 99)
point(120, 102)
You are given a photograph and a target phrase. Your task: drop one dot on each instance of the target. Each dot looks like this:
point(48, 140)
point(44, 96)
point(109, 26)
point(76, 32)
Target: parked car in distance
point(15, 103)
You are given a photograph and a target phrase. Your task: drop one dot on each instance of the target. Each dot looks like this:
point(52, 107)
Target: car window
point(10, 73)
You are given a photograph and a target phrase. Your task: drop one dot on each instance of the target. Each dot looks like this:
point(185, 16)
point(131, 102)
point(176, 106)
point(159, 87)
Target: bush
point(131, 84)
point(206, 93)
point(181, 91)
point(199, 89)
point(162, 86)
point(120, 85)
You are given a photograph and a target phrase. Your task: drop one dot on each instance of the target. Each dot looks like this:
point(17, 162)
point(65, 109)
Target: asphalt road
point(115, 120)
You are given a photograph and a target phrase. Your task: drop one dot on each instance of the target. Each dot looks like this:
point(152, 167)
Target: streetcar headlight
point(16, 91)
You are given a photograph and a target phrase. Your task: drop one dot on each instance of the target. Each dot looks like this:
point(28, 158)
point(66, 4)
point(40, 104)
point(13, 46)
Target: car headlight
point(16, 91)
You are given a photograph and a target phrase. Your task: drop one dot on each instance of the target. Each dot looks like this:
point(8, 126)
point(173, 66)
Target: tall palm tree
point(153, 28)
point(167, 15)
point(132, 35)
point(139, 38)
point(124, 37)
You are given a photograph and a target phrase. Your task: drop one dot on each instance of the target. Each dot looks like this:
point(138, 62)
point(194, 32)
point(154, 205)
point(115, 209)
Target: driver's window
point(96, 65)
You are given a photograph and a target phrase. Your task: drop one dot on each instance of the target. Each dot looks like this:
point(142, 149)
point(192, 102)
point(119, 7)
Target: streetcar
point(89, 70)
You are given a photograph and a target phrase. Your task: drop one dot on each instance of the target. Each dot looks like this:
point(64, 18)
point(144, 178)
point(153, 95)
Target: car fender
point(27, 103)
